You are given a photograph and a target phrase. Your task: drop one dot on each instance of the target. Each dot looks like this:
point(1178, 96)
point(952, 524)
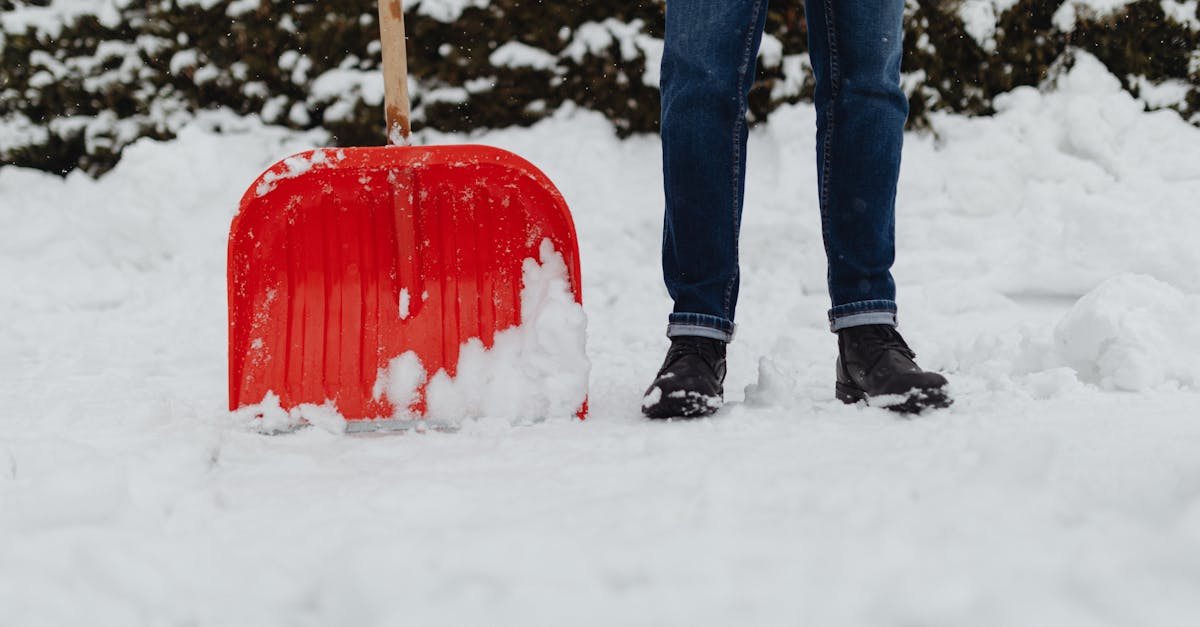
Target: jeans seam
point(735, 138)
point(827, 161)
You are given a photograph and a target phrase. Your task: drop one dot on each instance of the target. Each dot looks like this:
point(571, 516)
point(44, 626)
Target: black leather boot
point(875, 365)
point(689, 384)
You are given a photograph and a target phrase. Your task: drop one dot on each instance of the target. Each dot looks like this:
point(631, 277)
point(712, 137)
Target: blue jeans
point(707, 69)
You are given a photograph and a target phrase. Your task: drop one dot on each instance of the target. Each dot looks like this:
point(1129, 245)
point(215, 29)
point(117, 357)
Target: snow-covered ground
point(1048, 265)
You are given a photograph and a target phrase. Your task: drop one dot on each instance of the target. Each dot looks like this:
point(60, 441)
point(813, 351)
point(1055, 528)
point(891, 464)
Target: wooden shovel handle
point(395, 71)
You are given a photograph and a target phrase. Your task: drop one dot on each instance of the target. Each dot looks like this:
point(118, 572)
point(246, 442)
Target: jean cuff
point(862, 313)
point(700, 325)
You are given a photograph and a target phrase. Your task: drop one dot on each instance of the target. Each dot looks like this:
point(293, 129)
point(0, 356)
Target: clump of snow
point(1168, 93)
point(515, 54)
point(652, 47)
point(405, 304)
point(18, 130)
point(397, 136)
point(203, 4)
point(400, 382)
point(184, 60)
point(797, 70)
point(238, 8)
point(979, 19)
point(1069, 13)
point(652, 397)
point(272, 109)
point(297, 63)
point(298, 114)
point(1133, 332)
point(49, 18)
point(445, 10)
point(345, 82)
point(770, 51)
point(535, 370)
point(1185, 12)
point(593, 38)
point(293, 166)
point(453, 95)
point(269, 416)
point(206, 74)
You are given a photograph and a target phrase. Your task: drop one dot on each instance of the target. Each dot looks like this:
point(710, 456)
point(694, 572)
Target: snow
point(979, 19)
point(238, 8)
point(270, 417)
point(340, 82)
point(515, 54)
point(203, 4)
point(446, 11)
point(1183, 12)
point(1133, 333)
point(400, 382)
point(797, 68)
point(770, 51)
point(294, 166)
point(1046, 264)
point(404, 302)
point(49, 19)
point(298, 114)
point(184, 60)
point(1167, 93)
point(19, 130)
point(537, 370)
point(592, 38)
point(1067, 15)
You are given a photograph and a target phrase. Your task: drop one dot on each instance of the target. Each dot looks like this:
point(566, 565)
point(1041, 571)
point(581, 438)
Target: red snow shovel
point(342, 259)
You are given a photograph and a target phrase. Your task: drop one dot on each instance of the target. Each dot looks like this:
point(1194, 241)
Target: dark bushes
point(74, 93)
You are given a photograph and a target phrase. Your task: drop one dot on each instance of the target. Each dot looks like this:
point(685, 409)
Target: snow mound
point(538, 369)
point(1133, 332)
point(1059, 191)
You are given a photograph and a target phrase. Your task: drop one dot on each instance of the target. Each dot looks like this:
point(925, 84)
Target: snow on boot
point(689, 383)
point(875, 365)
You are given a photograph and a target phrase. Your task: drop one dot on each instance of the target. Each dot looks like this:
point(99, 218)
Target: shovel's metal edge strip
point(388, 425)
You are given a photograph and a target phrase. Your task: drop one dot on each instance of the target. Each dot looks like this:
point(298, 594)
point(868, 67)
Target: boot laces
point(888, 338)
point(684, 346)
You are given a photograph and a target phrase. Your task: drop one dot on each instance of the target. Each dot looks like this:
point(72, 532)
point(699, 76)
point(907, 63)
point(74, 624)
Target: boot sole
point(913, 402)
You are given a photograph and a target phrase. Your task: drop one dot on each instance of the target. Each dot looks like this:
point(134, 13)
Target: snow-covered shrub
point(81, 80)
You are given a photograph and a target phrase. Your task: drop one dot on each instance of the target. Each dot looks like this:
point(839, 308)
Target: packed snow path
point(1048, 265)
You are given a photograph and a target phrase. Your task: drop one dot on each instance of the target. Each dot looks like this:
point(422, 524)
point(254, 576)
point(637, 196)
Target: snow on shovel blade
point(342, 259)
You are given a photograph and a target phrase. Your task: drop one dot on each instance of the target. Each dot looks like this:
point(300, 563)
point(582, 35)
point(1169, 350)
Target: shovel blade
point(342, 259)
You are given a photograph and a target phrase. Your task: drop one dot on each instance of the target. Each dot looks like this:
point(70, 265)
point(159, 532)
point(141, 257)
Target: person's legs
point(708, 66)
point(855, 47)
point(709, 57)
